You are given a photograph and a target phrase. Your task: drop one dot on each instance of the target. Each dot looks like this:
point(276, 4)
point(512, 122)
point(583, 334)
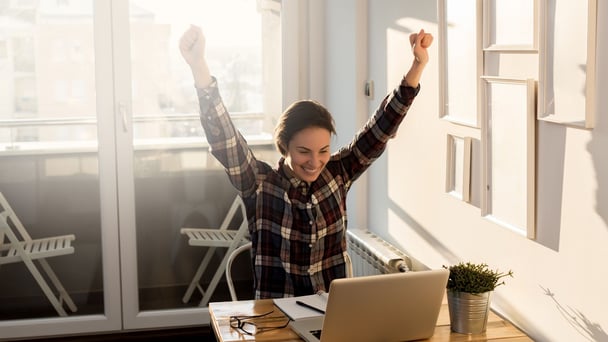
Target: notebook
point(303, 306)
point(388, 307)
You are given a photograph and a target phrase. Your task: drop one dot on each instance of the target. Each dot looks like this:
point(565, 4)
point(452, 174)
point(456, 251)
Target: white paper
point(296, 311)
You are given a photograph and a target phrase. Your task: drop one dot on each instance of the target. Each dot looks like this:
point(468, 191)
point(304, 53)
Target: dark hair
point(298, 116)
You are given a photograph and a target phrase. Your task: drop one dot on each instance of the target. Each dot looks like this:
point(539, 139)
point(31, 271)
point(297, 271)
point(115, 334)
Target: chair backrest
point(236, 205)
point(8, 221)
point(229, 281)
point(349, 265)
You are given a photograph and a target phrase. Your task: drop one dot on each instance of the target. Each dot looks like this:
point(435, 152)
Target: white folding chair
point(216, 238)
point(16, 245)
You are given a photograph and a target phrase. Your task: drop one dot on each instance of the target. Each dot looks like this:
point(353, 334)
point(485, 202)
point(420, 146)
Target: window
point(53, 68)
point(241, 41)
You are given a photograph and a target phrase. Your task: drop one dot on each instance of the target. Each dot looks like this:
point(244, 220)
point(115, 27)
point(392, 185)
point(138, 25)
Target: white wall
point(345, 55)
point(558, 292)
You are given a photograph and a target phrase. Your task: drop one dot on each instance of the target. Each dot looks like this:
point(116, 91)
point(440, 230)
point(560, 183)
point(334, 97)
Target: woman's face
point(308, 152)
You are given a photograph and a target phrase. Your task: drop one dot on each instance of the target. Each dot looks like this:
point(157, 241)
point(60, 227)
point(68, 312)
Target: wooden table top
point(497, 328)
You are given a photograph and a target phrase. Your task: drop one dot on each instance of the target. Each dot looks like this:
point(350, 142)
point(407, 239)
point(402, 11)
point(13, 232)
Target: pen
point(299, 302)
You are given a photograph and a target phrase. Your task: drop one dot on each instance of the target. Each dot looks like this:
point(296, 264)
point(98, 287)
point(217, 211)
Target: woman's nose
point(315, 160)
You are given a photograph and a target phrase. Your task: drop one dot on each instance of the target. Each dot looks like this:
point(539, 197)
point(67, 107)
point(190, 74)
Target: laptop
point(388, 307)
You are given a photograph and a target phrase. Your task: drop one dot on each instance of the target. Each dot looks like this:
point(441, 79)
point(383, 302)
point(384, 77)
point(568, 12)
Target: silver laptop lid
point(389, 307)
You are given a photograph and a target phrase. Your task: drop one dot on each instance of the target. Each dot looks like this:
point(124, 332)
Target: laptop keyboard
point(316, 333)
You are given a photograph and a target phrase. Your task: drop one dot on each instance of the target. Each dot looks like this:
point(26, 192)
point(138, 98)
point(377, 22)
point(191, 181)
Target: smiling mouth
point(308, 170)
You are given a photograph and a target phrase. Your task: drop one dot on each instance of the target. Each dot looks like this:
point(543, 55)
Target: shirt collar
point(289, 174)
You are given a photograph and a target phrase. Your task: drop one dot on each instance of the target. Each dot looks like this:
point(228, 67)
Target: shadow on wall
point(549, 183)
point(423, 233)
point(550, 159)
point(584, 326)
point(599, 134)
point(599, 142)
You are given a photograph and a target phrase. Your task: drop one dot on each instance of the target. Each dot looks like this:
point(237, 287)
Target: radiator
point(371, 255)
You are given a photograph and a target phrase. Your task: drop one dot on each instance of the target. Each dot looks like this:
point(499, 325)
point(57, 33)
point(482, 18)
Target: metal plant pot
point(468, 312)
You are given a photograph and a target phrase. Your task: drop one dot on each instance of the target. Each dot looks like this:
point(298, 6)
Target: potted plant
point(468, 289)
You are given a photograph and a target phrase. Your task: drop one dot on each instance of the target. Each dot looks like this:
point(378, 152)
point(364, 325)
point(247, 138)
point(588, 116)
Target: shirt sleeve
point(226, 143)
point(370, 142)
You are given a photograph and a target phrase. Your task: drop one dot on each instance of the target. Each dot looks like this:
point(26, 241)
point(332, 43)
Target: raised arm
point(192, 47)
point(420, 42)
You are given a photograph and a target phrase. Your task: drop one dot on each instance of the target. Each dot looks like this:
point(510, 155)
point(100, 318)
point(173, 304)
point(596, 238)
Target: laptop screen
point(393, 307)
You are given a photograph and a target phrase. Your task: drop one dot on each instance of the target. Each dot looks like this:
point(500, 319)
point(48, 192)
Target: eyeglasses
point(247, 324)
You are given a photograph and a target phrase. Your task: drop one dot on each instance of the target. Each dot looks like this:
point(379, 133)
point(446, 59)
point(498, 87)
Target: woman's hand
point(420, 42)
point(192, 45)
point(192, 48)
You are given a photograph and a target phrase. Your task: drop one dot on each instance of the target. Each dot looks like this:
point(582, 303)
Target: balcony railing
point(79, 134)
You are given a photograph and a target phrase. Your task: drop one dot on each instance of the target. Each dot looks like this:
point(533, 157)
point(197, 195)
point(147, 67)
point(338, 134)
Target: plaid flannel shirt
point(298, 230)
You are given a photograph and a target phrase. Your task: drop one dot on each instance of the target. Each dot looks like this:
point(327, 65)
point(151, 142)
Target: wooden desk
point(497, 329)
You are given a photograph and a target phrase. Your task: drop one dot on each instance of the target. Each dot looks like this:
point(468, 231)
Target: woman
point(296, 210)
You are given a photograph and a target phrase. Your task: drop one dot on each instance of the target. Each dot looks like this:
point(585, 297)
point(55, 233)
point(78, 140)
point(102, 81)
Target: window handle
point(122, 112)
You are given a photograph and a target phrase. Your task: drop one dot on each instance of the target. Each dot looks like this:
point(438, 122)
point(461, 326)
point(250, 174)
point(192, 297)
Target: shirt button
point(310, 245)
point(310, 222)
point(310, 271)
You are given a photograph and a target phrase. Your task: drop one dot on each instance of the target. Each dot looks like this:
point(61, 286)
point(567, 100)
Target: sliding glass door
point(173, 180)
point(57, 169)
point(100, 138)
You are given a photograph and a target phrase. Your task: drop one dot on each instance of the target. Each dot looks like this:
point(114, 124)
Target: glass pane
point(177, 182)
point(48, 157)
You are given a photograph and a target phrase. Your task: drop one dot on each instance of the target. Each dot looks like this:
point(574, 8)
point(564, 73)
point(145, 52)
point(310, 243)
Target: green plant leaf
point(474, 278)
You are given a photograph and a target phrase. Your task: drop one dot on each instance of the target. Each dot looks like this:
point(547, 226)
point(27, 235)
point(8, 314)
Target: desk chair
point(247, 247)
point(231, 257)
point(216, 238)
point(16, 245)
